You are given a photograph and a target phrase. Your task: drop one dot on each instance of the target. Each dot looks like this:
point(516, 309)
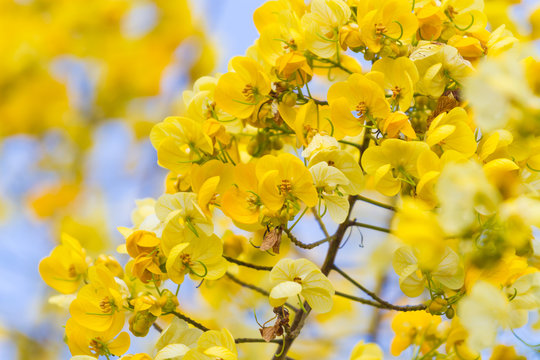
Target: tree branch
point(376, 203)
point(189, 320)
point(385, 304)
point(320, 222)
point(301, 316)
point(256, 340)
point(368, 226)
point(255, 288)
point(246, 264)
point(302, 245)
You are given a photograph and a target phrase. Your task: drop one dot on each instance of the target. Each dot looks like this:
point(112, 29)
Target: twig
point(256, 340)
point(368, 226)
point(189, 320)
point(376, 203)
point(301, 316)
point(385, 304)
point(246, 264)
point(157, 327)
point(320, 222)
point(302, 245)
point(255, 288)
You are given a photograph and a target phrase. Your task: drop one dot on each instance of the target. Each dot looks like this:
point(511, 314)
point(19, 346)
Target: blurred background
point(81, 84)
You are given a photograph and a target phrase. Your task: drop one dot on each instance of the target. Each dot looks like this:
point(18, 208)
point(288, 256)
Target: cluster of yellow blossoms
point(445, 124)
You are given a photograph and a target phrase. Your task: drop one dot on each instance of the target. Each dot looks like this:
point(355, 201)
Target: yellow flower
point(357, 95)
point(322, 24)
point(65, 268)
point(505, 352)
point(140, 356)
point(346, 164)
point(181, 213)
point(469, 47)
point(438, 65)
point(416, 327)
point(457, 341)
point(201, 258)
point(99, 304)
point(177, 333)
point(393, 162)
point(239, 92)
point(241, 202)
point(293, 67)
point(396, 123)
point(477, 196)
point(83, 341)
point(430, 21)
point(209, 181)
point(447, 272)
point(294, 278)
point(278, 23)
point(369, 351)
point(283, 180)
point(482, 312)
point(214, 345)
point(179, 142)
point(416, 225)
point(451, 132)
point(400, 77)
point(465, 14)
point(200, 103)
point(392, 20)
point(312, 119)
point(328, 182)
point(320, 143)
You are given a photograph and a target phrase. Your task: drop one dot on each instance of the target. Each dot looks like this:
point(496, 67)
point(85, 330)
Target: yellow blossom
point(294, 278)
point(393, 163)
point(357, 95)
point(201, 258)
point(83, 341)
point(65, 268)
point(99, 304)
point(239, 92)
point(283, 180)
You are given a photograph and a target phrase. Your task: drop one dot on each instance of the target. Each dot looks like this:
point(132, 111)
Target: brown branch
point(157, 327)
point(376, 304)
point(302, 245)
point(256, 340)
point(246, 264)
point(255, 288)
point(301, 316)
point(189, 320)
point(376, 203)
point(320, 222)
point(369, 226)
point(385, 304)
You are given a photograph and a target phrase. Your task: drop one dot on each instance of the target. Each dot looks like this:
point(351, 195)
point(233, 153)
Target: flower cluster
point(444, 126)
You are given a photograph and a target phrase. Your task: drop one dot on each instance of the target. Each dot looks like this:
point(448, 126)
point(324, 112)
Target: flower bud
point(140, 323)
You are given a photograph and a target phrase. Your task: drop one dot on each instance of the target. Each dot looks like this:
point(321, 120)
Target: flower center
point(249, 93)
point(395, 91)
point(186, 259)
point(380, 29)
point(361, 108)
point(72, 271)
point(97, 346)
point(106, 305)
point(285, 186)
point(298, 280)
